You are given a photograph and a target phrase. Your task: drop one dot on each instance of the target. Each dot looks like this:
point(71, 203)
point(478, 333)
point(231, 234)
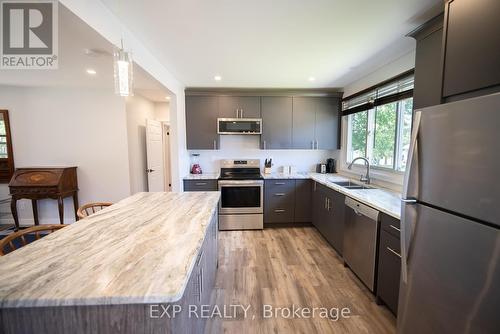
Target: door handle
point(395, 228)
point(149, 170)
point(393, 252)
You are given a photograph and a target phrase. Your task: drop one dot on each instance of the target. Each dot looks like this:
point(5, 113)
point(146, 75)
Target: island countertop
point(123, 254)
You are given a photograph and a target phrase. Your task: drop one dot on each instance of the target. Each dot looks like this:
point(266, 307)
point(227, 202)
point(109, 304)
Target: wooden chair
point(10, 240)
point(91, 208)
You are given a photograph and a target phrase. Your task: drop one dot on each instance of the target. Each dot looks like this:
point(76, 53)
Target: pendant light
point(123, 72)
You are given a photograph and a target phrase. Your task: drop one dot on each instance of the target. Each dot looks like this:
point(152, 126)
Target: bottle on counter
point(195, 164)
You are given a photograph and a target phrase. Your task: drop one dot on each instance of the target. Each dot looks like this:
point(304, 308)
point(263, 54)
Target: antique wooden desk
point(41, 183)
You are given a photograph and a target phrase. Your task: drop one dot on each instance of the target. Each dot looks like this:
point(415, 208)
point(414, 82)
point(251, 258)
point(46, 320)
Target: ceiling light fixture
point(167, 97)
point(123, 72)
point(217, 78)
point(91, 71)
point(312, 79)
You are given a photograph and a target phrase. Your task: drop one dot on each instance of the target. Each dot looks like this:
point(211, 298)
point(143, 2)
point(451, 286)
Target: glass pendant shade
point(123, 72)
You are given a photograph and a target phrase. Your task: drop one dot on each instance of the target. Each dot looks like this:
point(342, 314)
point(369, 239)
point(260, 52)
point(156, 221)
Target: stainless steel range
point(242, 195)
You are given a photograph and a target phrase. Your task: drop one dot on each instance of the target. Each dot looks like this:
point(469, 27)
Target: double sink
point(351, 185)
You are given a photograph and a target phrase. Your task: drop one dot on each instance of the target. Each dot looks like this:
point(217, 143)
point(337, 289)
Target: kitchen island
point(115, 271)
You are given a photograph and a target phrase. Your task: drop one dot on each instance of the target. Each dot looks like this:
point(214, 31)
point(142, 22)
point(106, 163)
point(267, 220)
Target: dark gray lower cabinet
point(200, 185)
point(287, 201)
point(328, 215)
point(279, 201)
point(303, 201)
point(389, 262)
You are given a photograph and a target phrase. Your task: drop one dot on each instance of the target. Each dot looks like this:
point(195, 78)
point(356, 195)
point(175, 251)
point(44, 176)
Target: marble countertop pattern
point(207, 176)
point(298, 175)
point(139, 250)
point(384, 200)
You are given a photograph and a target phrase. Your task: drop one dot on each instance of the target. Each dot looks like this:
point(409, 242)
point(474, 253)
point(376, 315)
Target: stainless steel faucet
point(365, 179)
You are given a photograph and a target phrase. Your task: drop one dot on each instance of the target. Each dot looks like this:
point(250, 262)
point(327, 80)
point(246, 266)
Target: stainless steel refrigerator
point(450, 242)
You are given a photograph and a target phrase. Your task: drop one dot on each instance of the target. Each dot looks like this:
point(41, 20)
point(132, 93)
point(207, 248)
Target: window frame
point(6, 174)
point(367, 100)
point(370, 139)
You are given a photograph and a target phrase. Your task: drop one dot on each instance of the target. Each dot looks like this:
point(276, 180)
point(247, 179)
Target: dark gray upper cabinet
point(276, 122)
point(427, 87)
point(239, 107)
point(315, 123)
point(201, 122)
point(472, 46)
point(304, 122)
point(327, 123)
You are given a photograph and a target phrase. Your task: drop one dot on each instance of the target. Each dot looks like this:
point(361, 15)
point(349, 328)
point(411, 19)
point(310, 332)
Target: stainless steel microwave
point(239, 126)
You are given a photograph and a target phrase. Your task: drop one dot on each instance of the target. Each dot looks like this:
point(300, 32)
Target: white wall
point(247, 147)
point(398, 66)
point(100, 18)
point(69, 127)
point(162, 111)
point(138, 110)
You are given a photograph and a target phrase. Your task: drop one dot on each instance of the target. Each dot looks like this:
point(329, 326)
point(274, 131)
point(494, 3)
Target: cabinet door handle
point(394, 227)
point(264, 144)
point(241, 110)
point(279, 183)
point(393, 252)
point(279, 194)
point(279, 210)
point(201, 183)
point(237, 113)
point(325, 202)
point(329, 207)
point(215, 144)
point(312, 144)
point(317, 144)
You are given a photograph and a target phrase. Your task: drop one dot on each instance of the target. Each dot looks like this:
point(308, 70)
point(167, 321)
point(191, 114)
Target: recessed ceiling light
point(167, 97)
point(91, 71)
point(312, 78)
point(217, 78)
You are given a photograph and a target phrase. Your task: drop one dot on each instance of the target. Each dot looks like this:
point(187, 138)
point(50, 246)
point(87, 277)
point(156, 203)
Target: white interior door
point(154, 151)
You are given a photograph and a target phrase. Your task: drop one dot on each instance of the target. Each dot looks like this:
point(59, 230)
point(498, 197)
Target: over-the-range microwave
point(239, 126)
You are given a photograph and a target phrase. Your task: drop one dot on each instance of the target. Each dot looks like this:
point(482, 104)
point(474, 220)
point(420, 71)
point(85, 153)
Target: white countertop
point(207, 176)
point(139, 250)
point(384, 200)
point(298, 175)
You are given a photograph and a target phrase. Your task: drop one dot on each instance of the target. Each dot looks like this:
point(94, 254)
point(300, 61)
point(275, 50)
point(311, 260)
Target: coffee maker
point(330, 166)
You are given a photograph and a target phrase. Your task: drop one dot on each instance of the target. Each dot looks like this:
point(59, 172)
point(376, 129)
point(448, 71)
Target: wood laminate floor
point(282, 267)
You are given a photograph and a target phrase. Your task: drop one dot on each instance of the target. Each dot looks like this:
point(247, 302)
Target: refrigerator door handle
point(410, 188)
point(410, 184)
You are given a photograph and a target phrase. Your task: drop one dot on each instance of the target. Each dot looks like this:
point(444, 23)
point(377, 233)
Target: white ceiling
point(279, 43)
point(75, 37)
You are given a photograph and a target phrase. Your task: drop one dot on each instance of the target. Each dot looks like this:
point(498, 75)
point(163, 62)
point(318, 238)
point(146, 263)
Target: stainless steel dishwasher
point(360, 240)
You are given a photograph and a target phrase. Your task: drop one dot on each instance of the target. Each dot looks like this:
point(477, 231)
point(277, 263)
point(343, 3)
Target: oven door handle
point(241, 183)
